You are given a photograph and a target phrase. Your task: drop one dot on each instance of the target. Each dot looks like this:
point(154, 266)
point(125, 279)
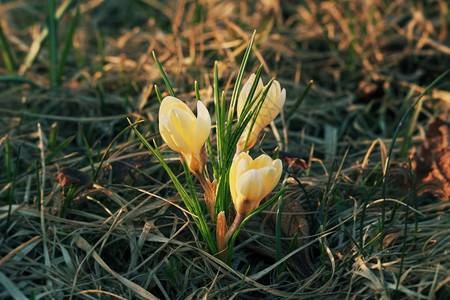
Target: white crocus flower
point(252, 180)
point(185, 133)
point(272, 106)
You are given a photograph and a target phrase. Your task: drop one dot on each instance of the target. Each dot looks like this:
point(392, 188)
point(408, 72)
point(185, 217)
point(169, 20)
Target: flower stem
point(237, 221)
point(210, 193)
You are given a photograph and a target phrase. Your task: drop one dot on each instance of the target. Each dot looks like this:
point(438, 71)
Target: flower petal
point(243, 95)
point(251, 188)
point(164, 123)
point(170, 102)
point(184, 123)
point(238, 167)
point(268, 174)
point(202, 127)
point(261, 161)
point(178, 142)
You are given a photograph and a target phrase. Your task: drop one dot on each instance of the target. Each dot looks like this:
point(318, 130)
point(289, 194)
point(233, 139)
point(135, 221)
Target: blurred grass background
point(72, 71)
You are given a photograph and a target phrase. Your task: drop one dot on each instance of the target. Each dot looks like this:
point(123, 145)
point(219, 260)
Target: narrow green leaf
point(36, 45)
point(8, 159)
point(299, 100)
point(58, 149)
point(197, 92)
point(12, 188)
point(68, 43)
point(237, 86)
point(52, 42)
point(278, 230)
point(164, 76)
point(158, 94)
point(88, 149)
point(6, 52)
point(19, 79)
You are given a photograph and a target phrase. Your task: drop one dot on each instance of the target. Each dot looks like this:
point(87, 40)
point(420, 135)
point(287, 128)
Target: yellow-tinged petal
point(238, 167)
point(183, 132)
point(171, 135)
point(170, 102)
point(261, 161)
point(271, 107)
point(243, 95)
point(202, 126)
point(252, 180)
point(250, 189)
point(184, 123)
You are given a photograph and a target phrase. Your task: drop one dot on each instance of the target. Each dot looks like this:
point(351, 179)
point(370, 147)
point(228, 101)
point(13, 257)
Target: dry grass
point(128, 235)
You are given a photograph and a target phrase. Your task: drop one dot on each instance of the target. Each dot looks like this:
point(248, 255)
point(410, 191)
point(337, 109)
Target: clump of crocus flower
point(238, 180)
point(249, 180)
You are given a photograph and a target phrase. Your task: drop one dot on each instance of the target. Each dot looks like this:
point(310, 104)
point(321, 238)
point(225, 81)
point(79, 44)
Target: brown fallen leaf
point(431, 161)
point(70, 176)
point(293, 221)
point(120, 171)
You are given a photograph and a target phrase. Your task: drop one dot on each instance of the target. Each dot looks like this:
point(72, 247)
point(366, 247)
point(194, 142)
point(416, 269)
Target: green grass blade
point(299, 100)
point(100, 49)
point(197, 92)
point(88, 149)
point(290, 248)
point(52, 42)
point(409, 131)
point(158, 94)
point(416, 200)
point(68, 44)
point(238, 83)
point(36, 45)
point(53, 136)
point(278, 231)
point(18, 80)
point(12, 188)
point(58, 149)
point(6, 52)
point(164, 76)
point(213, 159)
point(38, 186)
point(220, 123)
point(67, 200)
point(8, 159)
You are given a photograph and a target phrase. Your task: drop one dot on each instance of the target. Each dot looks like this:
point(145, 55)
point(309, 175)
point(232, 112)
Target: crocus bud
point(272, 106)
point(252, 180)
point(185, 133)
point(221, 231)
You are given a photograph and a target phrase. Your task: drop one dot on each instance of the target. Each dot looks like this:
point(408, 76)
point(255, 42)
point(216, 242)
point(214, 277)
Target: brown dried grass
point(128, 236)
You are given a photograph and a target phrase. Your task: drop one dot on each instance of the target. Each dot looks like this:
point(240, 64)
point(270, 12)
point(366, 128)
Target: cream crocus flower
point(252, 180)
point(272, 106)
point(185, 133)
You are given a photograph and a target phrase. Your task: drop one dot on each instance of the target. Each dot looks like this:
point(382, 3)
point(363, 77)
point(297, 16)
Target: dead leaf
point(293, 221)
point(70, 176)
point(120, 171)
point(431, 161)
